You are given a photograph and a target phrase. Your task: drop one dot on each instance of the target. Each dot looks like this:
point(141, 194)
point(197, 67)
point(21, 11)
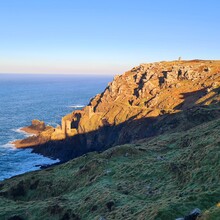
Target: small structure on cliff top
point(65, 125)
point(68, 126)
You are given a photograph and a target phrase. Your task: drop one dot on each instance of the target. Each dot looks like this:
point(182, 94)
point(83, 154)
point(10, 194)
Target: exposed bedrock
point(146, 101)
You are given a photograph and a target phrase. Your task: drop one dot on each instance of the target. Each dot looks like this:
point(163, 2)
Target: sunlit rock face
point(135, 105)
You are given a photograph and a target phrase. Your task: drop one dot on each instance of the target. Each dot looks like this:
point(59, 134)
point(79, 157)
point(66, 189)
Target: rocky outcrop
point(149, 90)
point(193, 215)
point(37, 125)
point(41, 134)
point(139, 103)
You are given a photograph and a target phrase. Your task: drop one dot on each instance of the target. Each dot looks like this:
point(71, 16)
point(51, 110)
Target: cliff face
point(148, 100)
point(160, 179)
point(169, 114)
point(150, 90)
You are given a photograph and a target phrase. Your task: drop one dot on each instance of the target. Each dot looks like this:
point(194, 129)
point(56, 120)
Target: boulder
point(192, 215)
point(37, 125)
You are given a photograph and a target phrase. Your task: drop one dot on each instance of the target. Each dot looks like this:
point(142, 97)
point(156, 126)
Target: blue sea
point(24, 97)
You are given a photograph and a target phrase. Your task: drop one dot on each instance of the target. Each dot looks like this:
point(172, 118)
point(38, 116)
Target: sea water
point(24, 97)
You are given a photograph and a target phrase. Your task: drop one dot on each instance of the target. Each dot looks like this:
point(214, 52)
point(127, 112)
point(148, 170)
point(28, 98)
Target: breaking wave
point(76, 106)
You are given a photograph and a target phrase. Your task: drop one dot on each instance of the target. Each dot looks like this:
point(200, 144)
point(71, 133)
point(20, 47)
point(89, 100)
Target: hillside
point(159, 178)
point(148, 147)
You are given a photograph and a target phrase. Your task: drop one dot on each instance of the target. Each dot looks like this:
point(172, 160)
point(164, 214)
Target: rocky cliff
point(148, 100)
point(168, 114)
point(149, 91)
point(162, 178)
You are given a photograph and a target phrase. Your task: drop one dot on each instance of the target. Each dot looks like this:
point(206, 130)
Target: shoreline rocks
point(40, 134)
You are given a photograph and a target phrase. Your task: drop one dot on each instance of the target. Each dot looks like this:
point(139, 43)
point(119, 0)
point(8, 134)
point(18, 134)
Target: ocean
point(24, 97)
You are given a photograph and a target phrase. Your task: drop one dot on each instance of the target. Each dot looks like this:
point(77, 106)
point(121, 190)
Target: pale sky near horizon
point(104, 37)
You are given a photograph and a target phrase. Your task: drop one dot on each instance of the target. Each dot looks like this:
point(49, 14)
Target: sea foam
point(18, 130)
point(76, 106)
point(23, 161)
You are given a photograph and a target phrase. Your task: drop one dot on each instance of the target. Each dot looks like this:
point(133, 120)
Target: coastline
point(24, 144)
point(30, 131)
point(118, 115)
point(17, 157)
point(20, 153)
point(34, 130)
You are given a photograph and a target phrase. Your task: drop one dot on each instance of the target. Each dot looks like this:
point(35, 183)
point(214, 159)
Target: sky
point(104, 37)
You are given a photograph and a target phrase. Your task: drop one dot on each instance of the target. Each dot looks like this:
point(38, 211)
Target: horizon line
point(35, 73)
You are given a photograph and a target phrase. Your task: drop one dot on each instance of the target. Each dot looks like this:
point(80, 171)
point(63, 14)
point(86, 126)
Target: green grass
point(159, 178)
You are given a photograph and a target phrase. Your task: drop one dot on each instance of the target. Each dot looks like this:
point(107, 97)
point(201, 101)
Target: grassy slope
point(161, 178)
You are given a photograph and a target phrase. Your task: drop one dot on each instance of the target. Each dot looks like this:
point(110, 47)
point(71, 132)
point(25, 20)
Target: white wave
point(26, 134)
point(9, 145)
point(22, 161)
point(76, 106)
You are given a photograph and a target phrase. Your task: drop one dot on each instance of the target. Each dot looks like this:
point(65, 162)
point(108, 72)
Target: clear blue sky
point(98, 36)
